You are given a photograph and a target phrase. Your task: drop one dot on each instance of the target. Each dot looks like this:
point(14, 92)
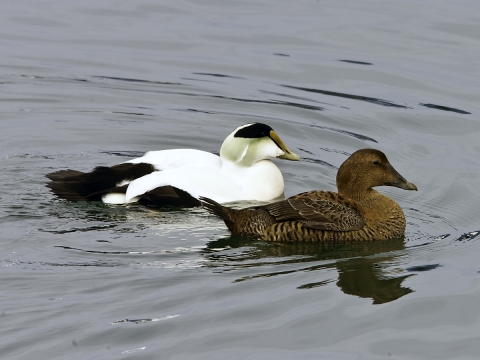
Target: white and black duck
point(178, 177)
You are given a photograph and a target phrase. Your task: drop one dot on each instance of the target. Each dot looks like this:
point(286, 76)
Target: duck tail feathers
point(65, 184)
point(79, 186)
point(216, 209)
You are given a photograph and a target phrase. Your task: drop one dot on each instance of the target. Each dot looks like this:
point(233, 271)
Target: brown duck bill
point(400, 182)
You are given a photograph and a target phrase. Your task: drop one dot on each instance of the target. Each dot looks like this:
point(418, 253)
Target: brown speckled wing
point(322, 210)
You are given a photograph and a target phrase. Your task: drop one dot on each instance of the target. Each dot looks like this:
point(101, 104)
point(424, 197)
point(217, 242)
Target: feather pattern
point(356, 212)
point(320, 210)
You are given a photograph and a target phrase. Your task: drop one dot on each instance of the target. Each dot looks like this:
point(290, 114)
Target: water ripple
point(356, 62)
point(445, 108)
point(130, 80)
point(144, 321)
point(219, 75)
point(350, 96)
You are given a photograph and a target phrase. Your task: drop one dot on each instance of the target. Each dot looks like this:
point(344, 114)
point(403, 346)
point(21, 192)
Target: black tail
point(216, 209)
point(78, 186)
point(69, 185)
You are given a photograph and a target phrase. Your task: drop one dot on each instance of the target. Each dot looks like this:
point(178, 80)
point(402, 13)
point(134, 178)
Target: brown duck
point(356, 212)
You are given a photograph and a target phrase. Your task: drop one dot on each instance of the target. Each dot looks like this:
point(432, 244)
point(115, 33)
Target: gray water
point(94, 83)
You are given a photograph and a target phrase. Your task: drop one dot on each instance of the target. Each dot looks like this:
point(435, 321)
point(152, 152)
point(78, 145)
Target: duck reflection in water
point(359, 264)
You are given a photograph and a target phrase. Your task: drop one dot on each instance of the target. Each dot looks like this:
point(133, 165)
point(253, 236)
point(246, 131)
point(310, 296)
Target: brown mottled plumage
point(356, 212)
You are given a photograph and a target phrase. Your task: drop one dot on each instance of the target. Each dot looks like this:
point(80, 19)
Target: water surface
point(88, 84)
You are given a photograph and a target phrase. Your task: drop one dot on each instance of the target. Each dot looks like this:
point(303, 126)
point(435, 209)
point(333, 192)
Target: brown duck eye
point(376, 162)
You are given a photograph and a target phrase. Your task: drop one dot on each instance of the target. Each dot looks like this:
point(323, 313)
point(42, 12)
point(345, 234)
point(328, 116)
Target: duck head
point(250, 143)
point(368, 168)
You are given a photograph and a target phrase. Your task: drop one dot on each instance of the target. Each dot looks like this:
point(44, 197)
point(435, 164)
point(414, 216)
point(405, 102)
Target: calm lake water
point(96, 83)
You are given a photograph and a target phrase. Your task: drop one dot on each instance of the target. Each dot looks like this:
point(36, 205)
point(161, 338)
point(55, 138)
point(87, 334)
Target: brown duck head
point(368, 168)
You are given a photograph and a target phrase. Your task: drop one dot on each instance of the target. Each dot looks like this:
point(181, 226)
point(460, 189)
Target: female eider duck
point(356, 212)
point(178, 177)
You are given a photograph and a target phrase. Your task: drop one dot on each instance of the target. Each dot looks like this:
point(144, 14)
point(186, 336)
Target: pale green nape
point(247, 151)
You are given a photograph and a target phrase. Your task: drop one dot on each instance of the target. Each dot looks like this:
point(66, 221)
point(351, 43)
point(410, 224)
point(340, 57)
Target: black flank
point(169, 196)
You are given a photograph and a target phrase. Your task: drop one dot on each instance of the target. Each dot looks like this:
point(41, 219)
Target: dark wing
point(322, 210)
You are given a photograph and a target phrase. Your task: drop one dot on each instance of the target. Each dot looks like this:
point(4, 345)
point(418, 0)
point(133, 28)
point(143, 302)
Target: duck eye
point(376, 162)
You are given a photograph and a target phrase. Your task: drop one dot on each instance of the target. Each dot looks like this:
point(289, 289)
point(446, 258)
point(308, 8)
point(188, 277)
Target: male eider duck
point(356, 212)
point(178, 177)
